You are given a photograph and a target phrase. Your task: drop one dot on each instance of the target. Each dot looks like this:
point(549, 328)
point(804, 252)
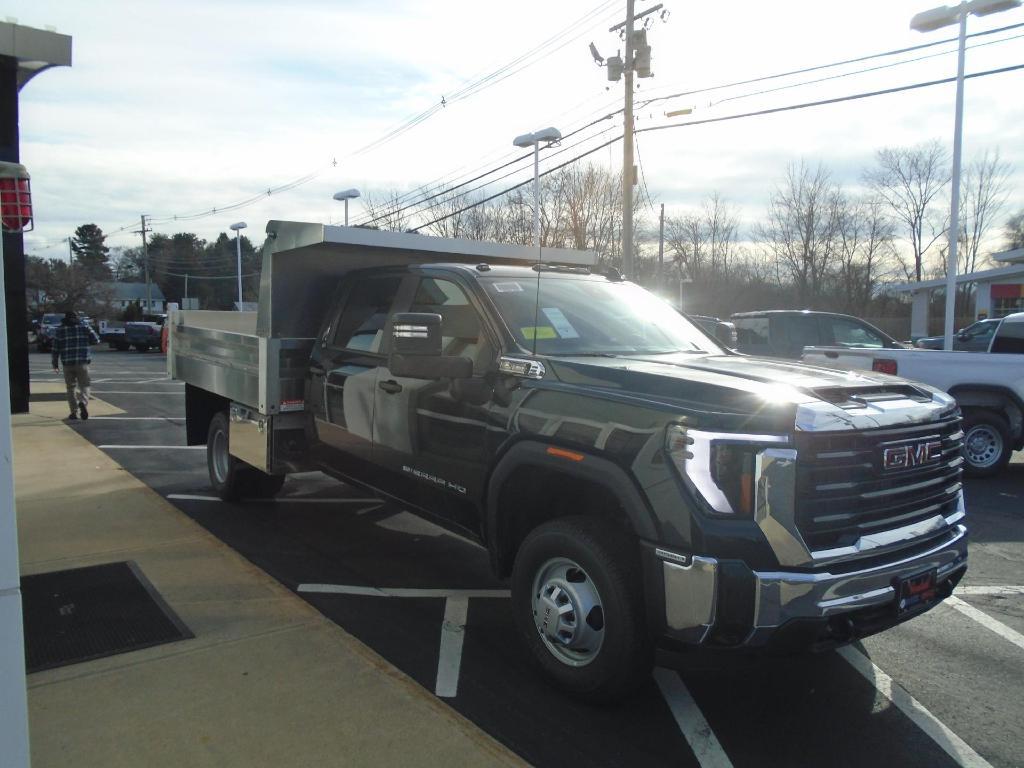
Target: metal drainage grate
point(47, 397)
point(87, 613)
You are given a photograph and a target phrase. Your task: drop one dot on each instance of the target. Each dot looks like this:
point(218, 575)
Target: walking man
point(71, 347)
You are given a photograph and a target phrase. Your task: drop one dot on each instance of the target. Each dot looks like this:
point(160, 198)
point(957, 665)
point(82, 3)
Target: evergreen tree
point(90, 250)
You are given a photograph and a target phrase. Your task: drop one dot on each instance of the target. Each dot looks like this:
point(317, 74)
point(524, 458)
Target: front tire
point(578, 603)
point(987, 444)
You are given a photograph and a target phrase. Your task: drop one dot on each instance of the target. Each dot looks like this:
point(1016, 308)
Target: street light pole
point(953, 236)
point(928, 21)
point(346, 195)
point(238, 254)
point(534, 139)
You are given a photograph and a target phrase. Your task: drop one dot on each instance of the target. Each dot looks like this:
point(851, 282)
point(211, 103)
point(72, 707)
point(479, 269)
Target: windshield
point(578, 316)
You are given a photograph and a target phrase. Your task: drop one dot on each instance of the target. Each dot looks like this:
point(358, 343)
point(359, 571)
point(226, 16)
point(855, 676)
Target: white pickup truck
point(989, 387)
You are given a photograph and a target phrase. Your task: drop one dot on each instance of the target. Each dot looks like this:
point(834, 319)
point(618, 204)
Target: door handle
point(391, 387)
point(832, 355)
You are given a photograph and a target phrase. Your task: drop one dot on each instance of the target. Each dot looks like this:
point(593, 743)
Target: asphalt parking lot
point(944, 689)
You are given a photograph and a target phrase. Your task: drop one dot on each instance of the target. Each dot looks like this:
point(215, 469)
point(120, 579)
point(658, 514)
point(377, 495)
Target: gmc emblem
point(913, 455)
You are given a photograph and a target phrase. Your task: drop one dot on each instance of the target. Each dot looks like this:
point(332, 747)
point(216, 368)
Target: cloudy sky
point(176, 108)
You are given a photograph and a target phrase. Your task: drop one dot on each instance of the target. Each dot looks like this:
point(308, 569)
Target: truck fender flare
point(591, 468)
point(991, 396)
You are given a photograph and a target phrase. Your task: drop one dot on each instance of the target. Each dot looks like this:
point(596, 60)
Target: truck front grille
point(845, 490)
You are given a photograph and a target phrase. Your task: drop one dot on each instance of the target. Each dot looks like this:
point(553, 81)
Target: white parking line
point(344, 589)
point(952, 744)
point(986, 621)
point(278, 499)
point(690, 719)
point(1000, 590)
point(136, 392)
point(155, 447)
point(136, 418)
point(449, 660)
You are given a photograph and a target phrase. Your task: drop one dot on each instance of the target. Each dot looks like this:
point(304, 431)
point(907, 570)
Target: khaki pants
point(77, 375)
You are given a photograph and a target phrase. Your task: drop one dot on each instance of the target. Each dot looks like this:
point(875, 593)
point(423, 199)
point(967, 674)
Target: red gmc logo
point(913, 455)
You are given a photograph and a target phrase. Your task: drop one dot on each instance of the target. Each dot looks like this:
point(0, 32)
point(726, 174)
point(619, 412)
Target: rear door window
point(752, 334)
point(1009, 339)
point(846, 332)
point(361, 325)
point(791, 333)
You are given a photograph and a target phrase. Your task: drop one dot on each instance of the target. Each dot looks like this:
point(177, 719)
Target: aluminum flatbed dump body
point(255, 362)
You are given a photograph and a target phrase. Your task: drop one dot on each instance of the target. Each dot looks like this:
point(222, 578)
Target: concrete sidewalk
point(266, 681)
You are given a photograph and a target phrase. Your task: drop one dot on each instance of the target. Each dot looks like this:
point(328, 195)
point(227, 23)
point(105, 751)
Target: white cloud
point(178, 107)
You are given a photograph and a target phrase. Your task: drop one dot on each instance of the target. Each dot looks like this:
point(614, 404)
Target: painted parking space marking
point(950, 743)
point(1000, 590)
point(986, 621)
point(449, 659)
point(694, 727)
point(138, 418)
point(276, 500)
point(154, 447)
point(345, 589)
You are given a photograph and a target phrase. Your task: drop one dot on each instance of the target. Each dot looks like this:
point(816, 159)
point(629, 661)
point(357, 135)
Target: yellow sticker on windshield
point(540, 332)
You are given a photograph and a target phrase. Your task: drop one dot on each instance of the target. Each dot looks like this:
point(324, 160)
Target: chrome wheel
point(221, 459)
point(568, 612)
point(983, 446)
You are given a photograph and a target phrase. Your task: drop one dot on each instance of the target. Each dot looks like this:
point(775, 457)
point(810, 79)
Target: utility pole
point(661, 246)
point(637, 61)
point(145, 262)
point(628, 173)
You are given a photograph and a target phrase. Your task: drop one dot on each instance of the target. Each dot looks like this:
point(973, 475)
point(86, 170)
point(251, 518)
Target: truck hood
point(745, 388)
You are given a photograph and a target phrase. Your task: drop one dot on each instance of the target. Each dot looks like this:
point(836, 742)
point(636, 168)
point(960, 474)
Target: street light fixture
point(929, 21)
point(346, 195)
point(238, 253)
point(550, 135)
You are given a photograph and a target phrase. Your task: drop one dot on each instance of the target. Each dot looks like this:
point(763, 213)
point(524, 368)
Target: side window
point(791, 333)
point(847, 333)
point(361, 325)
point(1009, 339)
point(461, 334)
point(752, 333)
point(982, 331)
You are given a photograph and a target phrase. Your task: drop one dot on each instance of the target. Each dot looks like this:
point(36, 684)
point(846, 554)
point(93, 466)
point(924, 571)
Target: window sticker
point(507, 287)
point(561, 323)
point(540, 332)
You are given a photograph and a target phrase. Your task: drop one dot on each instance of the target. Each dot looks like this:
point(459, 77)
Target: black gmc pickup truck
point(641, 486)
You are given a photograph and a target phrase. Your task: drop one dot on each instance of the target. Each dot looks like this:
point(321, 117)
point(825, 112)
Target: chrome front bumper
point(693, 585)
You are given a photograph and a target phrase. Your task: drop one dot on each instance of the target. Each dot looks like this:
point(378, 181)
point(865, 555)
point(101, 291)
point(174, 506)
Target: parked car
point(142, 335)
point(638, 485)
point(48, 324)
point(988, 387)
point(722, 330)
point(974, 338)
point(785, 333)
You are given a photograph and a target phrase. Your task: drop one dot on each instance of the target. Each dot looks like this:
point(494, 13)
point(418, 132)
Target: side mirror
point(416, 349)
point(963, 335)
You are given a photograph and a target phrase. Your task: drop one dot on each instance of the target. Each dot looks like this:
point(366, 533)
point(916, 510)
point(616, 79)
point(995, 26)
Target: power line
point(390, 210)
point(817, 67)
point(758, 113)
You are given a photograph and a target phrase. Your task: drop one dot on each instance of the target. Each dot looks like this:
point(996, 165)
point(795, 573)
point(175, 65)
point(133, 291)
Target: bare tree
point(702, 244)
point(801, 233)
point(983, 194)
point(909, 179)
point(386, 210)
point(866, 253)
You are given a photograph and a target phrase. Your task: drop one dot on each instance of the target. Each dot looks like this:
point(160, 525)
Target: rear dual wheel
point(231, 478)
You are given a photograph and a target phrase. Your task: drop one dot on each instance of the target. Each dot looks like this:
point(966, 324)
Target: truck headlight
point(719, 467)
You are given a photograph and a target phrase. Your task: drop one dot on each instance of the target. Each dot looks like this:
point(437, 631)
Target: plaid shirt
point(71, 344)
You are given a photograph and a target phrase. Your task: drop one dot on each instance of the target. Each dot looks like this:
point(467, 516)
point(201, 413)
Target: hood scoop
point(858, 397)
